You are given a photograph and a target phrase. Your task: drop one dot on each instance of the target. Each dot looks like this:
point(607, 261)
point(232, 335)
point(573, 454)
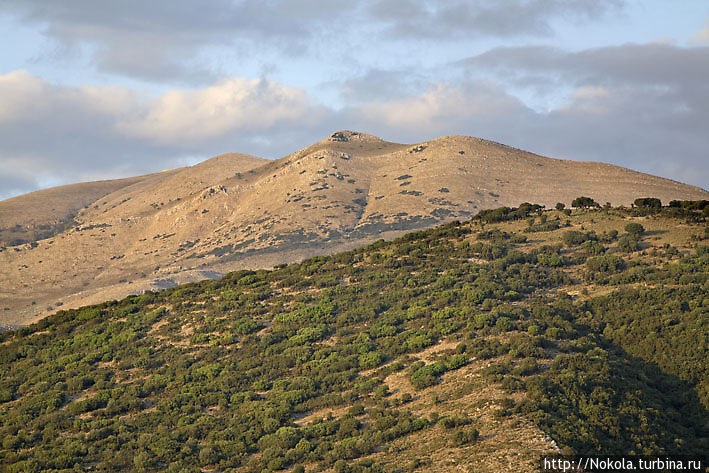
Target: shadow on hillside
point(654, 232)
point(620, 405)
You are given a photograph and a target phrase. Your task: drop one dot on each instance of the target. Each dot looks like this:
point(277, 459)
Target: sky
point(97, 89)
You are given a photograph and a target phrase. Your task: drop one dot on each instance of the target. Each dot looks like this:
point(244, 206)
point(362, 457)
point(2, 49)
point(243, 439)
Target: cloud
point(641, 106)
point(454, 19)
point(57, 134)
point(190, 117)
point(26, 97)
point(15, 181)
point(645, 64)
point(186, 42)
point(475, 107)
point(165, 42)
point(701, 36)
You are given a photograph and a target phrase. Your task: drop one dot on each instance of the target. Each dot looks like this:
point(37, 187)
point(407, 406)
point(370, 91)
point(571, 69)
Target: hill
point(236, 211)
point(474, 346)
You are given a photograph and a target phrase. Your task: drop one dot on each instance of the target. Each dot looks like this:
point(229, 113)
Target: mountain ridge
point(237, 211)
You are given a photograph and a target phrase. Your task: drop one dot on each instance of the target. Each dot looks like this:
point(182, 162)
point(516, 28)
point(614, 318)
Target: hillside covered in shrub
point(590, 327)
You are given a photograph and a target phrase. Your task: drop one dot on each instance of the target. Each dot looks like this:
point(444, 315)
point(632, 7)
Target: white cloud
point(26, 98)
point(443, 108)
point(231, 105)
point(22, 85)
point(51, 133)
point(178, 117)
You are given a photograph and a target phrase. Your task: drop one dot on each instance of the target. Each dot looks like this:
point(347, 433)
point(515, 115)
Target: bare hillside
point(39, 214)
point(236, 211)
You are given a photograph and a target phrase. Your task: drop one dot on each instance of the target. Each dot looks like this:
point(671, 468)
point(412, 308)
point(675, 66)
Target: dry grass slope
point(114, 238)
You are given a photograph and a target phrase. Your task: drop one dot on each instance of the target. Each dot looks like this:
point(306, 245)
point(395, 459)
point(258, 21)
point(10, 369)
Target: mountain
point(472, 346)
point(75, 245)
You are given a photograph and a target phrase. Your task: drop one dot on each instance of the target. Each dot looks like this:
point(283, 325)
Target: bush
point(503, 324)
point(606, 264)
point(424, 376)
point(634, 229)
point(506, 214)
point(456, 361)
point(628, 243)
point(690, 204)
point(593, 247)
point(456, 421)
point(464, 437)
point(575, 237)
point(370, 360)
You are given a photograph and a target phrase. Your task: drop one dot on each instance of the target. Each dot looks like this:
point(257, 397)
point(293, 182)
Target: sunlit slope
point(236, 211)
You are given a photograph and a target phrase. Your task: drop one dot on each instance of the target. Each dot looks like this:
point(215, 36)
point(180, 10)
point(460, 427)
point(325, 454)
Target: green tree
point(584, 203)
point(575, 237)
point(635, 229)
point(648, 203)
point(628, 243)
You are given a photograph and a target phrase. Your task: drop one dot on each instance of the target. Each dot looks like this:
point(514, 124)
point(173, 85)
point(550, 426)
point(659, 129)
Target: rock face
point(85, 243)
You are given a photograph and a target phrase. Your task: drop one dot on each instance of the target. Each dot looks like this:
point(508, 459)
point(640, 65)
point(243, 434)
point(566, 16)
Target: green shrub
point(370, 360)
point(464, 437)
point(628, 243)
point(634, 229)
point(575, 237)
point(427, 375)
point(606, 264)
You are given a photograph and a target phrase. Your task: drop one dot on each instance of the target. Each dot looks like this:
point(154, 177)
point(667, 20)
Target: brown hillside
point(236, 211)
point(33, 216)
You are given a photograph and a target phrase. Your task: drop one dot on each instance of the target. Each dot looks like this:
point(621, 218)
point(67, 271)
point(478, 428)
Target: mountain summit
point(85, 243)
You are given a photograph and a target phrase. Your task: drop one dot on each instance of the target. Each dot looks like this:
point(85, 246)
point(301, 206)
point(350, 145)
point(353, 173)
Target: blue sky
point(96, 89)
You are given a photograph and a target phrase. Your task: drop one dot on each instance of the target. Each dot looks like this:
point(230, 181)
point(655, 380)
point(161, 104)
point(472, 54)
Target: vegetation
point(649, 203)
point(584, 203)
point(506, 214)
point(216, 375)
point(634, 229)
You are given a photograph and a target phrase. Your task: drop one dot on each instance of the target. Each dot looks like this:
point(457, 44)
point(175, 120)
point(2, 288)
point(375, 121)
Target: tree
point(634, 229)
point(628, 243)
point(606, 263)
point(584, 203)
point(560, 206)
point(648, 203)
point(575, 237)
